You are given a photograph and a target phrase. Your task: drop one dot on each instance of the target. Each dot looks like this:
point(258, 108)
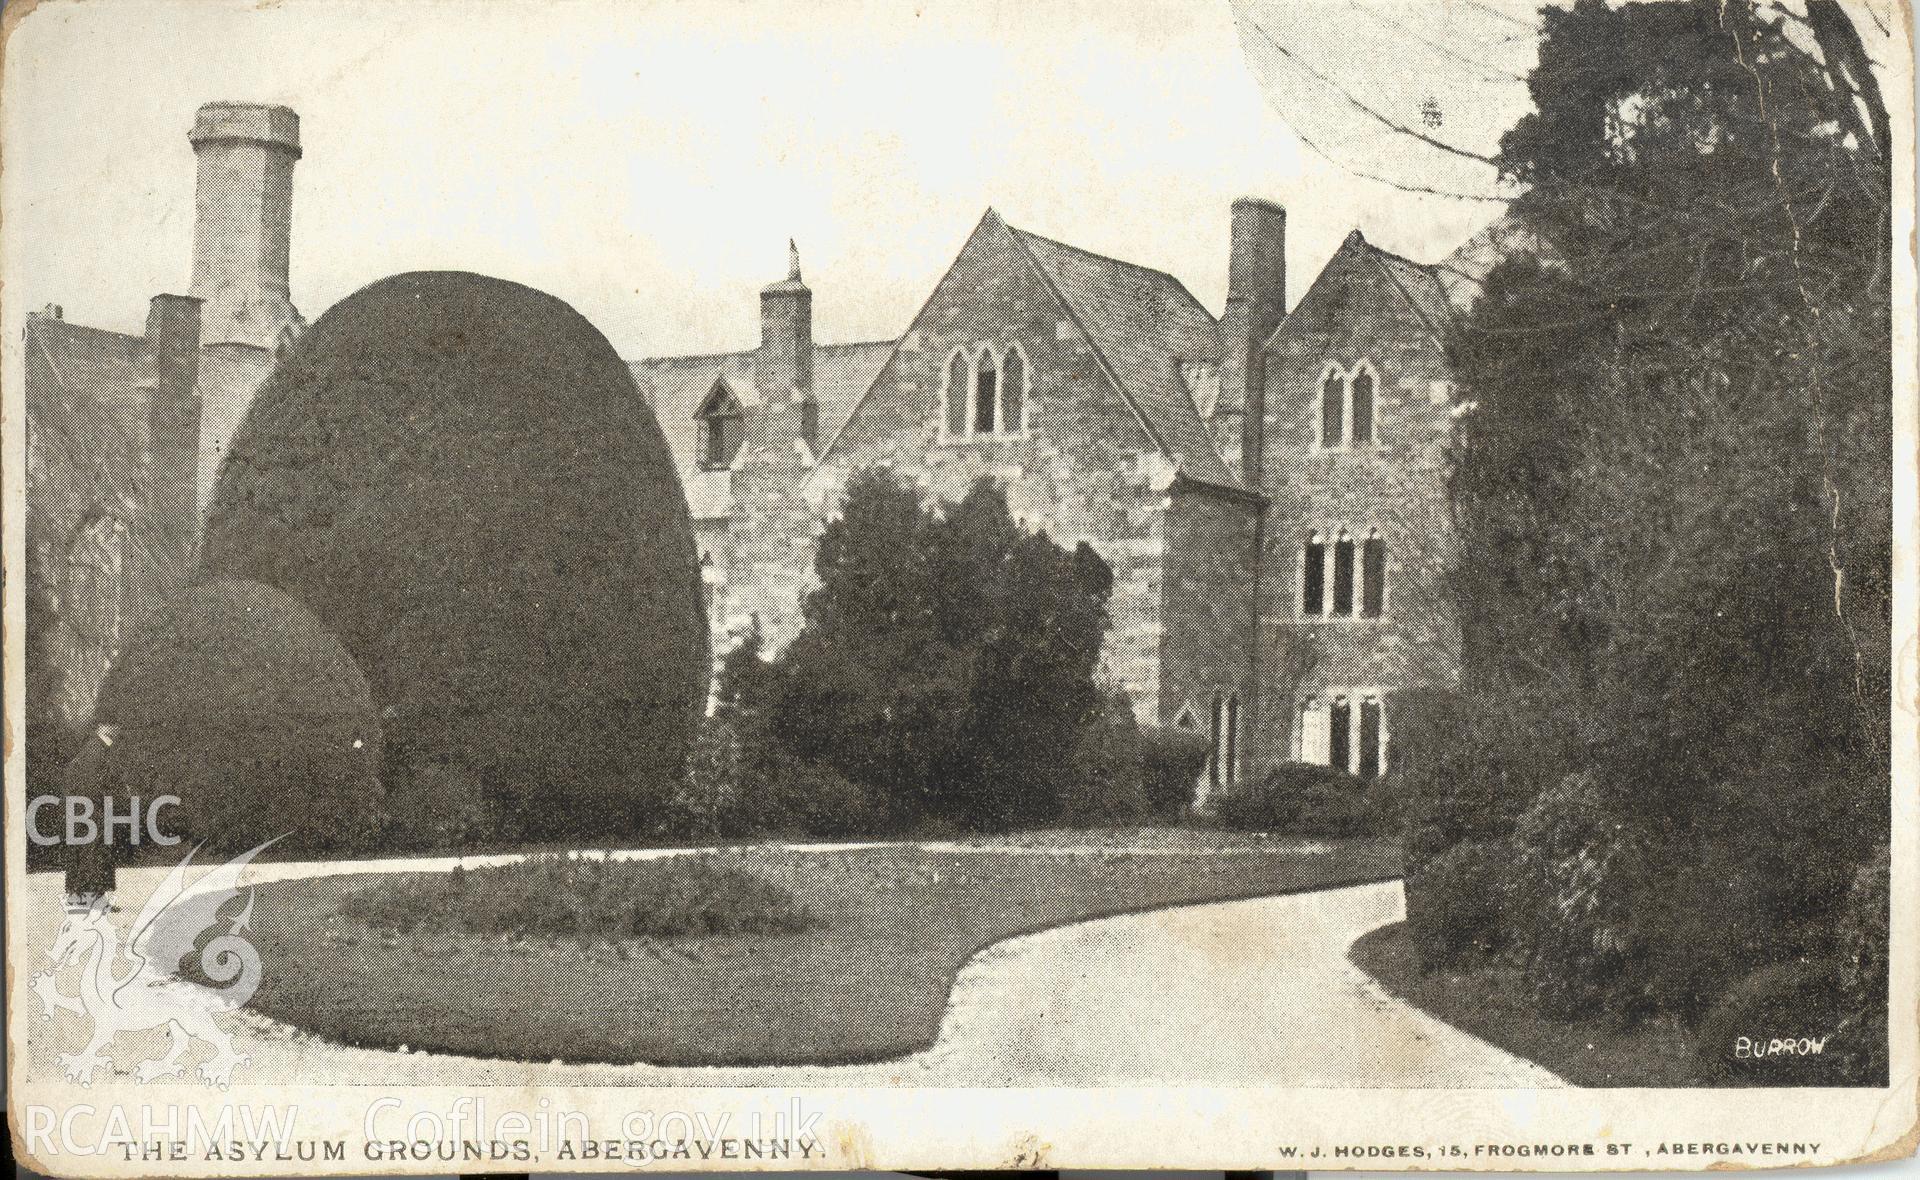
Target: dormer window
point(984, 393)
point(722, 428)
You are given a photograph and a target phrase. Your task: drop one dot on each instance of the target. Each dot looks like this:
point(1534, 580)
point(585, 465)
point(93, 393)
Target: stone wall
point(1083, 469)
point(1396, 485)
point(112, 439)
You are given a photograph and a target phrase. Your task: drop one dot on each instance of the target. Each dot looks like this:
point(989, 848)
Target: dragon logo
point(149, 994)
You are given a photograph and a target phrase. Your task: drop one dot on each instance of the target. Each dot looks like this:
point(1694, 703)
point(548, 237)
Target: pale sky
point(647, 162)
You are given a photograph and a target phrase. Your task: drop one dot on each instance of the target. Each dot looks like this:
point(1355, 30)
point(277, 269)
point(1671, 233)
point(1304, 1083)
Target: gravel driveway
point(1248, 993)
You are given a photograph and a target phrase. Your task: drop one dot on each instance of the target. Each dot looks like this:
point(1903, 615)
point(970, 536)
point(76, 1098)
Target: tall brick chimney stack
point(243, 223)
point(1256, 302)
point(783, 368)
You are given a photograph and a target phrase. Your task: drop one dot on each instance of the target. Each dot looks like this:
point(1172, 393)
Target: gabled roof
point(1142, 323)
point(676, 386)
point(1418, 283)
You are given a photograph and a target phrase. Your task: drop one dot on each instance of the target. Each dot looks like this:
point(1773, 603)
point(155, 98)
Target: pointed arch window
point(959, 393)
point(1343, 576)
point(1373, 575)
point(1333, 408)
point(1013, 391)
point(1360, 394)
point(722, 428)
point(1313, 577)
point(986, 392)
point(1349, 406)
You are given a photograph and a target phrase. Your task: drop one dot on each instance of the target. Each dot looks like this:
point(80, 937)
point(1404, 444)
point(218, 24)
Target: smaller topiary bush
point(1300, 799)
point(583, 898)
point(233, 697)
point(1456, 903)
point(1171, 761)
point(1784, 1002)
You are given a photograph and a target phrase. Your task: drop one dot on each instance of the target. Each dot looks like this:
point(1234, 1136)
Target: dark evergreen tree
point(947, 659)
point(457, 475)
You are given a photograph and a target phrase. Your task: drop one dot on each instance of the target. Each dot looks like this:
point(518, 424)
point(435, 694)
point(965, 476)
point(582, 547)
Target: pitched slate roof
point(1420, 284)
point(1143, 323)
point(87, 364)
point(88, 391)
point(675, 387)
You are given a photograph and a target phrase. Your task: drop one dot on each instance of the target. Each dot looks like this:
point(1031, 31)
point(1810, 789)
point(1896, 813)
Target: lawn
point(1492, 1003)
point(867, 980)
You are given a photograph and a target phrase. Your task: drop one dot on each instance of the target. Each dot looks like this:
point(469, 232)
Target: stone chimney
point(783, 368)
point(1256, 301)
point(173, 427)
point(243, 221)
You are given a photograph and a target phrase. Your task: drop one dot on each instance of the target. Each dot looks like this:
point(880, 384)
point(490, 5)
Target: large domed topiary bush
point(458, 476)
point(235, 698)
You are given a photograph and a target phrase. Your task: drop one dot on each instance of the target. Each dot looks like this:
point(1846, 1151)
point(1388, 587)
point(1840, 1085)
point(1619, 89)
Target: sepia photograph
point(1174, 583)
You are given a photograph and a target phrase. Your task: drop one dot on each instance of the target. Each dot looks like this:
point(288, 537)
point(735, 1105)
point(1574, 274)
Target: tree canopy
point(1672, 485)
point(947, 658)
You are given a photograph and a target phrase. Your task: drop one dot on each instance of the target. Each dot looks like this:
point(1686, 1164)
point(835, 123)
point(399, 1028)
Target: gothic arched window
point(1013, 391)
point(722, 428)
point(1313, 577)
point(1343, 576)
point(1360, 389)
point(1373, 575)
point(986, 392)
point(1333, 409)
point(959, 392)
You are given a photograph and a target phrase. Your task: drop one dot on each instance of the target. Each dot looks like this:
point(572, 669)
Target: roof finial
point(793, 261)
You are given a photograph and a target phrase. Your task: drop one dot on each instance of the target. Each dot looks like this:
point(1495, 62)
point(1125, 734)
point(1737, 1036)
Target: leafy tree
point(455, 474)
point(947, 657)
point(1671, 478)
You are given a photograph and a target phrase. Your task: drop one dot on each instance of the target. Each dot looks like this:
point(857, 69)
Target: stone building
point(125, 432)
point(1268, 486)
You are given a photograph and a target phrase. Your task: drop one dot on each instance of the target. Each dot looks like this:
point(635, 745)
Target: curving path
point(1245, 993)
